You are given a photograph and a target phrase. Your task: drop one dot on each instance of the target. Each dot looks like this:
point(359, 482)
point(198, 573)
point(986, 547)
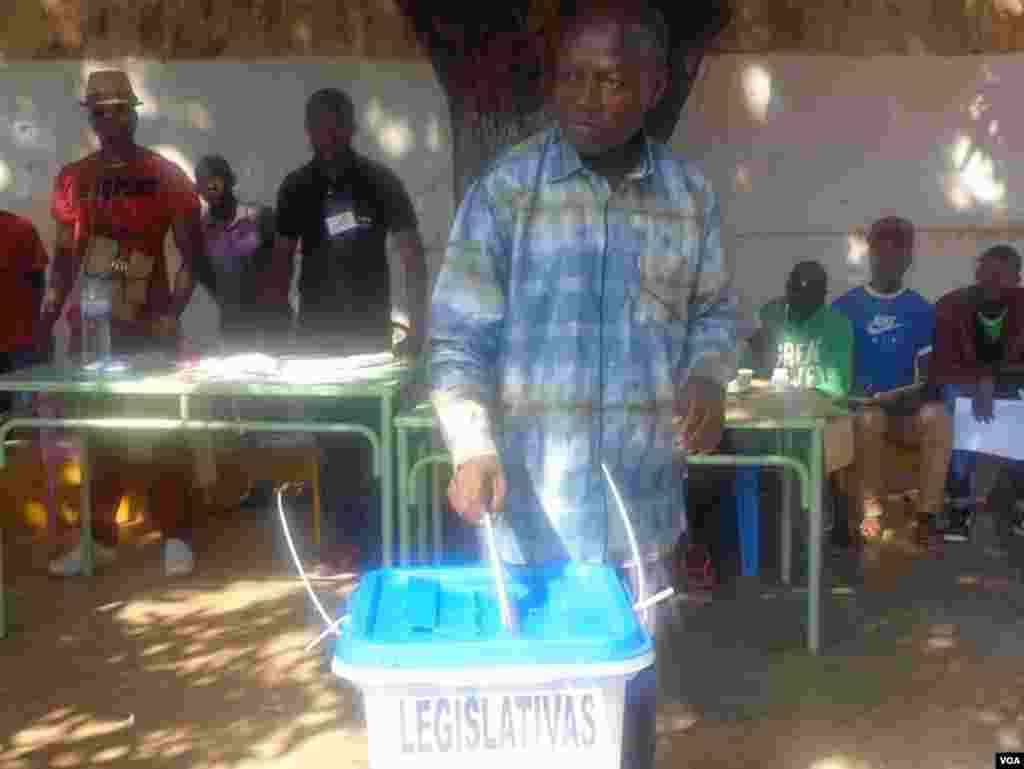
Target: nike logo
point(883, 324)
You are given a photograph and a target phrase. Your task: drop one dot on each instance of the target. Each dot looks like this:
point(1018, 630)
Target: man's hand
point(700, 416)
point(984, 400)
point(478, 485)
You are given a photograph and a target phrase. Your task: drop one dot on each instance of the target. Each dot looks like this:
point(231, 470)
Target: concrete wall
point(804, 150)
point(250, 111)
point(807, 150)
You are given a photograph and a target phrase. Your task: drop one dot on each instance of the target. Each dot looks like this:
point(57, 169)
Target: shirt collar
point(568, 162)
point(880, 295)
point(320, 168)
point(793, 323)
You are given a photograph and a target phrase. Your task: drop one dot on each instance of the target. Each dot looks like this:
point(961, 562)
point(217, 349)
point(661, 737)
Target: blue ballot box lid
point(441, 618)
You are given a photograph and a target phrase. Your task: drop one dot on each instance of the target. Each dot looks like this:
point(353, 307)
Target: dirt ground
point(129, 669)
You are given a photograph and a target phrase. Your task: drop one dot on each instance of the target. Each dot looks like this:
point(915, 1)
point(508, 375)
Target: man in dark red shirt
point(979, 339)
point(23, 261)
point(113, 210)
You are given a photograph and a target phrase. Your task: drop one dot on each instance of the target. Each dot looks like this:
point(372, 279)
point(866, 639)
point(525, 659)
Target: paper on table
point(1002, 437)
point(237, 366)
point(315, 370)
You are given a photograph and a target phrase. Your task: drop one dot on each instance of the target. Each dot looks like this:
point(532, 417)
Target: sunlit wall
point(806, 151)
point(249, 111)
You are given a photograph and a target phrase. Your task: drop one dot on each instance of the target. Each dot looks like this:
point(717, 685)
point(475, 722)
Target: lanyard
point(992, 327)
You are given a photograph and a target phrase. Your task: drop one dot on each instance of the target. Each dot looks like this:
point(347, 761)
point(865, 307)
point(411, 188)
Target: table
point(764, 407)
point(147, 378)
point(761, 408)
point(419, 419)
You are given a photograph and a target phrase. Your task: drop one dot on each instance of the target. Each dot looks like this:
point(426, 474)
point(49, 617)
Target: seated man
point(979, 339)
point(804, 336)
point(893, 330)
point(812, 342)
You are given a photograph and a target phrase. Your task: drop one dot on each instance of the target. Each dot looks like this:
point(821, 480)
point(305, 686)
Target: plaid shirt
point(565, 321)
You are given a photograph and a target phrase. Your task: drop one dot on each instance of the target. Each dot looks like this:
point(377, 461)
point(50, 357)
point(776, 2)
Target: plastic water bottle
point(97, 295)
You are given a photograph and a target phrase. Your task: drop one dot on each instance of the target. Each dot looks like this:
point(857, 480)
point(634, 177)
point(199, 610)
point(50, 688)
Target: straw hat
point(109, 86)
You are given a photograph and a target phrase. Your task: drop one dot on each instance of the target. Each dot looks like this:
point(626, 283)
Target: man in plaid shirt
point(583, 316)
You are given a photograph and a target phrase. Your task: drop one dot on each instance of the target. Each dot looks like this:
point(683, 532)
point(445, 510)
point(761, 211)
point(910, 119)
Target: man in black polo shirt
point(343, 208)
point(350, 215)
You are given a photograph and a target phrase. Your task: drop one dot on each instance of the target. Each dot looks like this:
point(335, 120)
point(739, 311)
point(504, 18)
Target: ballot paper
point(249, 367)
point(1002, 437)
point(334, 369)
point(236, 367)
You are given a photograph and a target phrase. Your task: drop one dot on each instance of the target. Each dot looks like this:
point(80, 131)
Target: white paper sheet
point(1002, 437)
point(315, 370)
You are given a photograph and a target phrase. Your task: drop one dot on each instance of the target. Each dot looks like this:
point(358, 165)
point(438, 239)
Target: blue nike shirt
point(889, 332)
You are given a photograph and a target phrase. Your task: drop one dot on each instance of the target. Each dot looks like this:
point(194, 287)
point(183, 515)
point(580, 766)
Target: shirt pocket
point(666, 281)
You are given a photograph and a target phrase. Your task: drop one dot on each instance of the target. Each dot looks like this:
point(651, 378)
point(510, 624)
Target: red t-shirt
point(21, 254)
point(135, 204)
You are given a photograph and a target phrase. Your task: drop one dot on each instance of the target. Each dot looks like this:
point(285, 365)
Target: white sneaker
point(178, 560)
point(70, 565)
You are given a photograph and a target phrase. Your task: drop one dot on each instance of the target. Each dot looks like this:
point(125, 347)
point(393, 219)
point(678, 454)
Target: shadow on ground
point(924, 666)
point(129, 669)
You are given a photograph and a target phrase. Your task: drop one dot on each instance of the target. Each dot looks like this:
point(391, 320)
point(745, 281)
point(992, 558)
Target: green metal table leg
point(436, 458)
point(418, 495)
point(386, 468)
point(435, 504)
point(786, 521)
point(816, 463)
point(402, 438)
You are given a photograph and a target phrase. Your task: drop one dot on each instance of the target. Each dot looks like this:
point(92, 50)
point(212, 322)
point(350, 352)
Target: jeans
point(349, 491)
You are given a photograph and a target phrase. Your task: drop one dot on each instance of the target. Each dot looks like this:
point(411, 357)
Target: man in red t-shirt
point(113, 210)
point(23, 261)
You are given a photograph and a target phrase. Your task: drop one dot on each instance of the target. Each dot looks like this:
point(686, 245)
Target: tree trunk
point(490, 59)
point(478, 137)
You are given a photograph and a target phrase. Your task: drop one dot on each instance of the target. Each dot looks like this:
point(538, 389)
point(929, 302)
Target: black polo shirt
point(345, 284)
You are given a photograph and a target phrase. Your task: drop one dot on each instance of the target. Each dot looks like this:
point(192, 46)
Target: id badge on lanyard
point(339, 217)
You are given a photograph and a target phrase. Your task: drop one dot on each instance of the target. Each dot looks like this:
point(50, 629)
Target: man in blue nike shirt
point(894, 328)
